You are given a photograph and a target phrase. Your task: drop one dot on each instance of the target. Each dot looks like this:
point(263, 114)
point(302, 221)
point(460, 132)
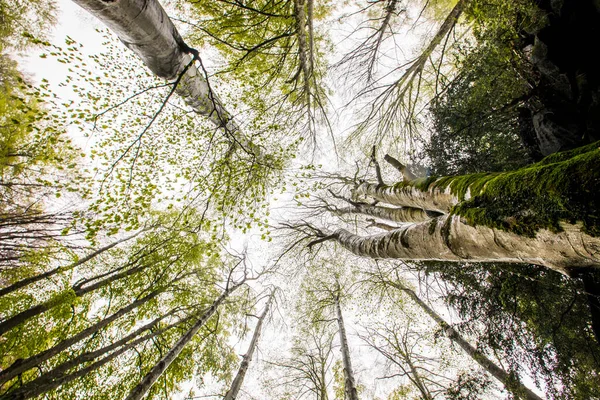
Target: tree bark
point(500, 374)
point(349, 381)
point(145, 28)
point(447, 238)
point(434, 199)
point(151, 377)
point(236, 385)
point(394, 214)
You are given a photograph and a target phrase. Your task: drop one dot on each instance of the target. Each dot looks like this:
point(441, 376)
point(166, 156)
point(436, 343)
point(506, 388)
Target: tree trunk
point(407, 195)
point(75, 291)
point(145, 28)
point(21, 366)
point(447, 238)
point(500, 374)
point(239, 378)
point(349, 382)
point(151, 377)
point(45, 275)
point(394, 214)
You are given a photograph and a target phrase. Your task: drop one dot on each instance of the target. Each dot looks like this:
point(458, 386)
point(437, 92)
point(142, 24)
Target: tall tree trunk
point(500, 374)
point(236, 385)
point(76, 291)
point(21, 366)
point(407, 195)
point(349, 381)
point(394, 214)
point(151, 377)
point(45, 383)
point(145, 28)
point(45, 275)
point(447, 238)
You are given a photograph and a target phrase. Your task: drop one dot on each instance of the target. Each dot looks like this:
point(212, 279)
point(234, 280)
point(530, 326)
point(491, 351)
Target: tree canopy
point(296, 199)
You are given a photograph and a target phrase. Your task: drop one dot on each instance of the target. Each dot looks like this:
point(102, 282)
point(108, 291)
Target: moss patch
point(561, 187)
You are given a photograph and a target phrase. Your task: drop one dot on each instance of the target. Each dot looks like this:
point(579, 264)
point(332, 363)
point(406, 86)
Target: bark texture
point(447, 238)
point(435, 199)
point(394, 214)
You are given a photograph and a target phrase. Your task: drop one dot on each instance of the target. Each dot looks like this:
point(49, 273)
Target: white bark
point(394, 214)
point(145, 28)
point(447, 238)
point(236, 385)
point(434, 199)
point(349, 381)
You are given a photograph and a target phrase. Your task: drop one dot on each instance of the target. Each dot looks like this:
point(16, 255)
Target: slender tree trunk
point(406, 195)
point(145, 28)
point(20, 366)
point(45, 275)
point(446, 238)
point(236, 385)
point(349, 381)
point(76, 291)
point(304, 58)
point(500, 374)
point(151, 377)
point(45, 383)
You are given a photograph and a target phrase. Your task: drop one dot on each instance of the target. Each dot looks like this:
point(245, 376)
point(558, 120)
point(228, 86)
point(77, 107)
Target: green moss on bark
point(562, 187)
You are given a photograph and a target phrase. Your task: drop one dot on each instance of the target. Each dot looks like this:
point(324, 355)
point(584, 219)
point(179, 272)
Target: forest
point(300, 199)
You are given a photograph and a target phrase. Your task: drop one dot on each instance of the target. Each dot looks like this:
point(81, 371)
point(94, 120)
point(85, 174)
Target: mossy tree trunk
point(545, 214)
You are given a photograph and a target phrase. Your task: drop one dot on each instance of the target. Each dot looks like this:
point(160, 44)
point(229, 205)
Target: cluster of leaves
point(476, 120)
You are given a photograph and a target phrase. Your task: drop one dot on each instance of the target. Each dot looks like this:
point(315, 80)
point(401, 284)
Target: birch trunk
point(500, 374)
point(409, 196)
point(349, 381)
point(236, 385)
point(151, 377)
point(394, 214)
point(28, 281)
point(446, 238)
point(145, 28)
